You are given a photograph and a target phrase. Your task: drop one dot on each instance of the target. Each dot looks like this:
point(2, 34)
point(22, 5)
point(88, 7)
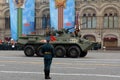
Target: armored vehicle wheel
point(39, 53)
point(74, 51)
point(83, 54)
point(60, 51)
point(29, 50)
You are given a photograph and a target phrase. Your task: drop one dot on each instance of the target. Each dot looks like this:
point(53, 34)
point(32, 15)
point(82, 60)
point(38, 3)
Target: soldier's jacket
point(48, 51)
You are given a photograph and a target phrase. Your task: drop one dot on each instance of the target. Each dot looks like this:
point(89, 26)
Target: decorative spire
point(19, 3)
point(60, 3)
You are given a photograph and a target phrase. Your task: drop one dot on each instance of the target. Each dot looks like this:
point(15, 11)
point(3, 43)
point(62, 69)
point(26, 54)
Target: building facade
point(98, 20)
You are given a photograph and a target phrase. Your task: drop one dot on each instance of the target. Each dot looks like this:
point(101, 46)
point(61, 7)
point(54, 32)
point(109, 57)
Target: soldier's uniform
point(48, 51)
point(76, 32)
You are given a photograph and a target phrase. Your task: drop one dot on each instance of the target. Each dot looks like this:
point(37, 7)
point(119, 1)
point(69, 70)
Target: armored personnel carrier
point(65, 44)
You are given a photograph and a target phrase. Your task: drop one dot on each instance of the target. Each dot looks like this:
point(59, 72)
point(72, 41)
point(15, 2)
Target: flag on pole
point(28, 14)
point(68, 14)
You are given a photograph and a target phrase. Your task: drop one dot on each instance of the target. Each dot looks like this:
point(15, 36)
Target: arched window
point(48, 21)
point(110, 18)
point(94, 21)
point(84, 21)
point(116, 23)
point(7, 23)
point(7, 20)
point(111, 22)
point(89, 19)
point(106, 22)
point(44, 21)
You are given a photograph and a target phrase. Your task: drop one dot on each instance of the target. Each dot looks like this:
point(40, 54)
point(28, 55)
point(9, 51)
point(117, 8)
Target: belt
point(47, 52)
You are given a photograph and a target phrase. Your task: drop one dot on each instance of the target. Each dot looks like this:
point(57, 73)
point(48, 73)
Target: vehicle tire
point(74, 51)
point(39, 53)
point(83, 54)
point(29, 50)
point(60, 51)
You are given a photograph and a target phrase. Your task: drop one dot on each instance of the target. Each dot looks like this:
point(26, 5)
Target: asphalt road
point(97, 65)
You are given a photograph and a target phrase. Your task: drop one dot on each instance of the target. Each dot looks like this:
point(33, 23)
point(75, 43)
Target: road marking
point(23, 62)
point(76, 59)
point(84, 59)
point(98, 61)
point(62, 74)
point(24, 57)
point(73, 68)
point(61, 63)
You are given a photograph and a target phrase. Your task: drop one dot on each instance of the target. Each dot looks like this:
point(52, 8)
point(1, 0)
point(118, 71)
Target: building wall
point(96, 6)
point(99, 7)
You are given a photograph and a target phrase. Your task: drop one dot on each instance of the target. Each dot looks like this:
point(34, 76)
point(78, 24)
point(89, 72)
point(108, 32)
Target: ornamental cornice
point(96, 1)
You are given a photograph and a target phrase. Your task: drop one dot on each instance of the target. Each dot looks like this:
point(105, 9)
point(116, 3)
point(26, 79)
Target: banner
point(53, 15)
point(28, 13)
point(13, 20)
point(69, 14)
point(28, 17)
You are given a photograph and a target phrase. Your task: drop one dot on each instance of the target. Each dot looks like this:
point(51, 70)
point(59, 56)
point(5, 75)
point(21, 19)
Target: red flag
point(52, 38)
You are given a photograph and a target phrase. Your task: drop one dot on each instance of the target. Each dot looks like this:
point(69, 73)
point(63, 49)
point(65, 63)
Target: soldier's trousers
point(47, 64)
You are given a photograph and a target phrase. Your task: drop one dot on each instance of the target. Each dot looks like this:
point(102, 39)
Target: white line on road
point(78, 59)
point(11, 57)
point(98, 61)
point(62, 74)
point(73, 68)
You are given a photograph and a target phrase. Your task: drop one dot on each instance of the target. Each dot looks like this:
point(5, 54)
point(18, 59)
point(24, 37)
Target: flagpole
point(19, 5)
point(60, 4)
point(19, 22)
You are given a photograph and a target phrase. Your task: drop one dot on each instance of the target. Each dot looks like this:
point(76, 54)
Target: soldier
point(48, 51)
point(76, 32)
point(12, 44)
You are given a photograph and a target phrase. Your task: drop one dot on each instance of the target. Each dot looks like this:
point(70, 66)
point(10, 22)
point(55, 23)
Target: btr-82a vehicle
point(65, 44)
